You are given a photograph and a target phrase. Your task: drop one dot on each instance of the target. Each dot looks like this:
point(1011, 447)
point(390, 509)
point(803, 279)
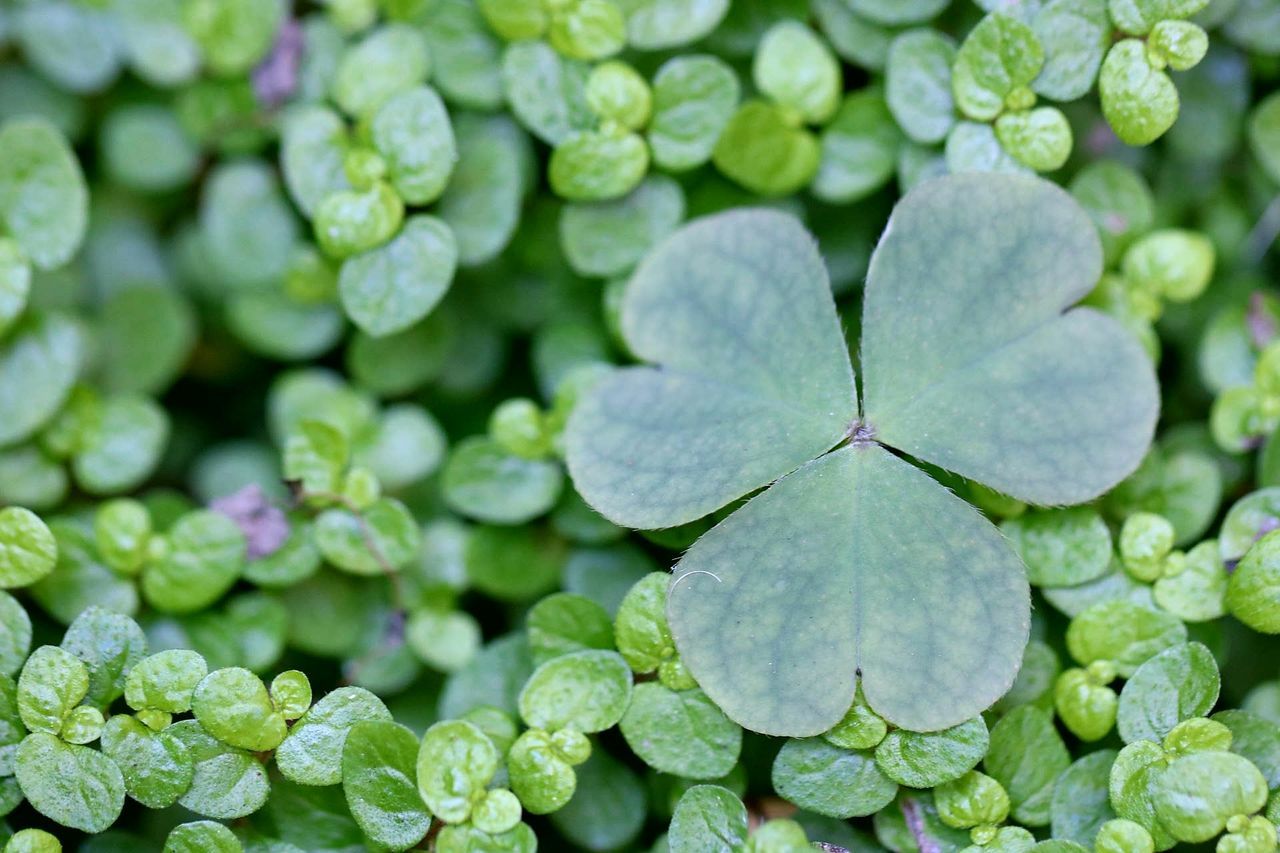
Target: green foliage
point(365, 364)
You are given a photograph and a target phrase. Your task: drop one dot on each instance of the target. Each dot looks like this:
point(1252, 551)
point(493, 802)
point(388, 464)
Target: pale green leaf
point(1139, 102)
point(1196, 794)
point(1256, 738)
point(1124, 633)
point(897, 11)
point(15, 282)
point(313, 140)
point(483, 481)
point(1075, 35)
point(1253, 594)
point(145, 335)
point(763, 150)
point(985, 332)
point(383, 537)
point(865, 582)
point(233, 34)
point(973, 147)
point(1137, 17)
point(998, 56)
point(482, 203)
point(1061, 547)
point(605, 239)
point(1081, 797)
point(859, 149)
point(455, 762)
point(594, 165)
point(390, 59)
point(71, 44)
point(145, 148)
point(15, 635)
point(164, 681)
point(546, 92)
point(126, 446)
point(746, 390)
point(918, 84)
point(795, 69)
point(563, 623)
point(1264, 135)
point(1039, 139)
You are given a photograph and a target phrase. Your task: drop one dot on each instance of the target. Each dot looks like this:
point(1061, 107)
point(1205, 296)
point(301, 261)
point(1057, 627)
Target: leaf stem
point(915, 824)
point(301, 496)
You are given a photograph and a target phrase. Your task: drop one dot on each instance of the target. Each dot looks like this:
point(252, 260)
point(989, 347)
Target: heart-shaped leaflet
point(857, 564)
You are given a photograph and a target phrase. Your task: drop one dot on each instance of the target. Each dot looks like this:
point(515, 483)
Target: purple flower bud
point(265, 526)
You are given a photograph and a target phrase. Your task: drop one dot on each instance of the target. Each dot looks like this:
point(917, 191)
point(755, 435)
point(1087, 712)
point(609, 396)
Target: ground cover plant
point(640, 425)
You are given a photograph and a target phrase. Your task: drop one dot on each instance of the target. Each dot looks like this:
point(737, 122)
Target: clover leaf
point(855, 564)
